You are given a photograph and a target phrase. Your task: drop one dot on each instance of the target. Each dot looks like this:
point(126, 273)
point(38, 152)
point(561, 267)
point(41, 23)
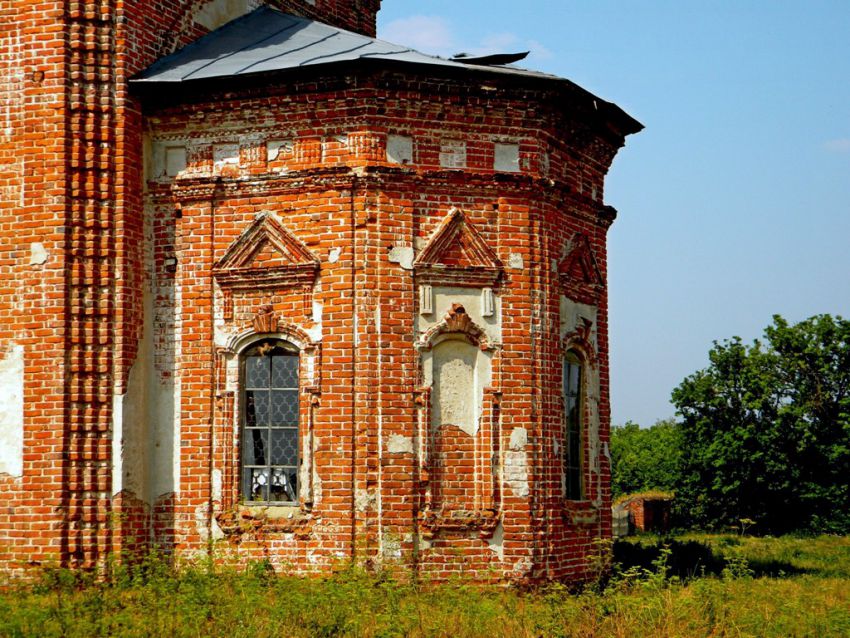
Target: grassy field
point(694, 585)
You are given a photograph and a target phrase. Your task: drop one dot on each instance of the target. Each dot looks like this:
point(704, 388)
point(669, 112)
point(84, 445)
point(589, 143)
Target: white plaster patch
point(424, 543)
point(175, 160)
point(426, 299)
point(488, 302)
point(363, 499)
point(117, 443)
point(12, 411)
point(225, 155)
point(496, 543)
point(38, 254)
point(202, 522)
point(403, 256)
point(216, 485)
point(317, 484)
point(453, 154)
point(515, 261)
point(219, 12)
point(519, 439)
point(506, 158)
point(333, 255)
point(398, 444)
point(572, 315)
point(315, 333)
point(399, 149)
point(454, 390)
point(391, 544)
point(516, 472)
point(305, 472)
point(129, 438)
point(276, 148)
point(217, 532)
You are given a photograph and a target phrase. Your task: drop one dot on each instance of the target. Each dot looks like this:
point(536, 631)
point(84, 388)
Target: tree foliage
point(766, 430)
point(645, 459)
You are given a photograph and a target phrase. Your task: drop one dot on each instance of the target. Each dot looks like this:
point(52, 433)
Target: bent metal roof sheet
point(267, 40)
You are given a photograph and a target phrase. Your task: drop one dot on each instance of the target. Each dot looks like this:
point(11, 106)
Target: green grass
point(693, 585)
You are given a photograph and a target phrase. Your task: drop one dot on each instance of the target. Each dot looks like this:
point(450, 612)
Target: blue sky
point(734, 201)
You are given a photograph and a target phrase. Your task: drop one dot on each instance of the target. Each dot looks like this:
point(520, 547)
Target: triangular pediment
point(458, 254)
point(578, 269)
point(266, 255)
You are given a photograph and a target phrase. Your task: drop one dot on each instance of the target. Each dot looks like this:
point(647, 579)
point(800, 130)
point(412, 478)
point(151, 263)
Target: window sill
point(582, 512)
point(265, 519)
point(482, 521)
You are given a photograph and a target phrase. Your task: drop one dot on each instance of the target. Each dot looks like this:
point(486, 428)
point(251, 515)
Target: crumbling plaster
point(144, 455)
point(12, 410)
point(473, 302)
point(217, 13)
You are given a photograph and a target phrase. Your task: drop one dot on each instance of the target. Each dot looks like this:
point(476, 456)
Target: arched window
point(573, 384)
point(270, 422)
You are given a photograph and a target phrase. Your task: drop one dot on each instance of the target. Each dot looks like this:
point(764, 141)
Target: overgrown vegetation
point(645, 459)
point(696, 585)
point(763, 436)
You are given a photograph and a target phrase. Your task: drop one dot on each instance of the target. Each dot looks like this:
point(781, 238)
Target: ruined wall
point(32, 304)
point(71, 263)
point(397, 467)
point(119, 348)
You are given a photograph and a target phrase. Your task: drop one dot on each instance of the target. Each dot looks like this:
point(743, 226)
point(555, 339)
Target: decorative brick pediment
point(456, 321)
point(578, 272)
point(457, 255)
point(266, 255)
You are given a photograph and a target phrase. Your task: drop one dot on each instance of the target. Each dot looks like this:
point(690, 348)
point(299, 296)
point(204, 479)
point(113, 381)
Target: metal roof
point(267, 40)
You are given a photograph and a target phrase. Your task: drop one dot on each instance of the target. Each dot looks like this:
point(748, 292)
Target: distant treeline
point(763, 433)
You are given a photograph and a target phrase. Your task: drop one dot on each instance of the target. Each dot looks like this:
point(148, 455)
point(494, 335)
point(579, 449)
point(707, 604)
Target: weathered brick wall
point(32, 261)
point(71, 274)
point(315, 139)
point(120, 343)
point(354, 15)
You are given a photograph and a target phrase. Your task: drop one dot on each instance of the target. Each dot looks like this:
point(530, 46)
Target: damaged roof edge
point(171, 92)
point(267, 43)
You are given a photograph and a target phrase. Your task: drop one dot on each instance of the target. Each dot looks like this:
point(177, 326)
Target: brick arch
point(291, 333)
point(579, 341)
point(456, 322)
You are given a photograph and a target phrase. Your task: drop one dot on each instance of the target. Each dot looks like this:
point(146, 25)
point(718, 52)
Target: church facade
point(273, 289)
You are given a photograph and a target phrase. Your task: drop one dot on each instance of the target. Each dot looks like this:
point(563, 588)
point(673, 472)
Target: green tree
point(766, 430)
point(645, 458)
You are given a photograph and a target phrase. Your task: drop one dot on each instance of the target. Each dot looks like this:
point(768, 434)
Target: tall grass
point(810, 598)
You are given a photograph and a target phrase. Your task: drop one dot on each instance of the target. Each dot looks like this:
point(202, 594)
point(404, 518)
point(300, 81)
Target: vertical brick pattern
point(90, 280)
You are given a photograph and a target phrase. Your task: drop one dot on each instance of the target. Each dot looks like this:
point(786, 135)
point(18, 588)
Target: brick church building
point(274, 289)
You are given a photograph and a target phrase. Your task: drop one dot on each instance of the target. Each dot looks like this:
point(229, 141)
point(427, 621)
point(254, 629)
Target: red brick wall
point(32, 305)
point(354, 15)
point(369, 498)
point(71, 145)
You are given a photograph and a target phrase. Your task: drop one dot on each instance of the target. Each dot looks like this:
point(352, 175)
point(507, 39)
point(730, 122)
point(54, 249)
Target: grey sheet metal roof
point(267, 40)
